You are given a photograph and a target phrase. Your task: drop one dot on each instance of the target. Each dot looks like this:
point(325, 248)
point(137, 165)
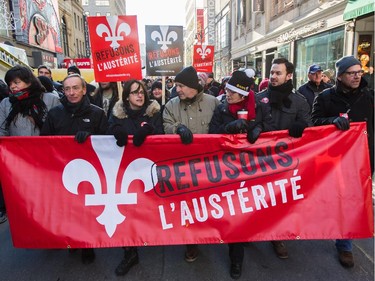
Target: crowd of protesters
point(190, 103)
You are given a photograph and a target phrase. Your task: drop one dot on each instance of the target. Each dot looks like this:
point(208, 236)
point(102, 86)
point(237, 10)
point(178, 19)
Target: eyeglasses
point(355, 73)
point(137, 92)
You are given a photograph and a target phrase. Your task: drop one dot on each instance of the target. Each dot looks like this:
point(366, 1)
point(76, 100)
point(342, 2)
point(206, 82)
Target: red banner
point(218, 189)
point(203, 58)
point(115, 48)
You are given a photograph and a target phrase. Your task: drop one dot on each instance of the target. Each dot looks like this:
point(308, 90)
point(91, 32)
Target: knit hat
point(188, 76)
point(328, 73)
point(315, 68)
point(46, 82)
point(74, 69)
point(155, 85)
point(344, 63)
point(241, 81)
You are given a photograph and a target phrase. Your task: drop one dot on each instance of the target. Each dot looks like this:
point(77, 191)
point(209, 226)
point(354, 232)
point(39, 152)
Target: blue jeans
point(344, 245)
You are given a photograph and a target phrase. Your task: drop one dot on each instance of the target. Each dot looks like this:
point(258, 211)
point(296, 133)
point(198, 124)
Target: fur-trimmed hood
point(119, 110)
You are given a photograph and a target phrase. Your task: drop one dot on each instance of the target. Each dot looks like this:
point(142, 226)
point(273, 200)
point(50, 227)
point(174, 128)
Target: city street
point(308, 260)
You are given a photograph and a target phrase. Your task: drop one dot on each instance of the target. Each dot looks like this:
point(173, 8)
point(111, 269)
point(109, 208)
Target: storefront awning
point(357, 8)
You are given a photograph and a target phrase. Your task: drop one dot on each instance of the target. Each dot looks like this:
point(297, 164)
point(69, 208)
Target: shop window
point(364, 51)
point(323, 49)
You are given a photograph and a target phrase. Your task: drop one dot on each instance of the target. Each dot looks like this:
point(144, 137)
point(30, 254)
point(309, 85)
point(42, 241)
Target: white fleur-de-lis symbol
point(203, 51)
point(113, 34)
point(110, 155)
point(164, 38)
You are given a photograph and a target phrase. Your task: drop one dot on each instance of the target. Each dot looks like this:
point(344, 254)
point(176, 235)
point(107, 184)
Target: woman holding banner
point(134, 114)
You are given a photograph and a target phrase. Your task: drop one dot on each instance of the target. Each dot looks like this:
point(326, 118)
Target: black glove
point(185, 134)
point(253, 134)
point(120, 134)
point(81, 136)
point(296, 129)
point(341, 123)
point(236, 126)
point(141, 134)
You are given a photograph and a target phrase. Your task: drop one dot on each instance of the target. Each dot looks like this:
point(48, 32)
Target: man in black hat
point(314, 85)
point(186, 115)
point(350, 100)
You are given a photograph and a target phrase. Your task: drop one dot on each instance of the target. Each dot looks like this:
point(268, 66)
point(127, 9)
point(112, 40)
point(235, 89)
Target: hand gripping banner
point(219, 189)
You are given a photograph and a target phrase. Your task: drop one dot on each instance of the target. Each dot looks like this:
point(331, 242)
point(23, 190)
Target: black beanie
point(188, 76)
point(155, 85)
point(344, 63)
point(46, 82)
point(241, 81)
point(74, 69)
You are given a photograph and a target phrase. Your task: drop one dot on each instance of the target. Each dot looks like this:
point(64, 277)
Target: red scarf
point(248, 103)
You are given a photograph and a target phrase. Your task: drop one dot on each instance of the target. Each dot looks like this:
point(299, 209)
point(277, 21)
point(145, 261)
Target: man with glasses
point(315, 85)
point(350, 100)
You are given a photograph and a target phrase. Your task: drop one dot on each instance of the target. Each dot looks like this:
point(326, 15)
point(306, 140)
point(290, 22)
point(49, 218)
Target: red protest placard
point(115, 48)
point(203, 58)
point(218, 189)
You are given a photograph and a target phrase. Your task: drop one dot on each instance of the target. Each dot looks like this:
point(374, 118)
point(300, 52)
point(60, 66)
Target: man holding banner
point(350, 100)
point(186, 115)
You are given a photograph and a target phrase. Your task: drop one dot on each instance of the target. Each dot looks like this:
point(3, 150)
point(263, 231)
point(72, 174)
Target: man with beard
point(350, 100)
point(289, 109)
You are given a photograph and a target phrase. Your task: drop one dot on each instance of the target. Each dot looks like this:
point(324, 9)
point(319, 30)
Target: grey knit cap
point(344, 63)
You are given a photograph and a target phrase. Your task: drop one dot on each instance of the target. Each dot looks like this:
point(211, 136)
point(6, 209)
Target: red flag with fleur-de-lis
point(115, 48)
point(203, 58)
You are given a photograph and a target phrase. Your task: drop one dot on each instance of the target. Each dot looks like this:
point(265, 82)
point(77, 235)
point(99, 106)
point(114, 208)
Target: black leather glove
point(236, 126)
point(185, 134)
point(341, 123)
point(81, 136)
point(141, 134)
point(296, 129)
point(120, 134)
point(253, 134)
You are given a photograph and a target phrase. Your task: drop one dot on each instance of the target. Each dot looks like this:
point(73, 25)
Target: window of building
point(107, 14)
point(75, 20)
point(64, 37)
point(279, 7)
point(85, 2)
point(98, 13)
point(101, 3)
point(323, 49)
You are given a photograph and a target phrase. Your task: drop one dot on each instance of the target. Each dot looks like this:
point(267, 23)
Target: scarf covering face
point(27, 104)
point(248, 103)
point(279, 94)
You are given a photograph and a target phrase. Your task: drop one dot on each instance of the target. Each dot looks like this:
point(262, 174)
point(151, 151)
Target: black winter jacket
point(310, 90)
point(222, 117)
point(133, 119)
point(66, 120)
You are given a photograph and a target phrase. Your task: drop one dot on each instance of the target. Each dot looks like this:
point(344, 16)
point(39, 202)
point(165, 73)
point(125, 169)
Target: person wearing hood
point(188, 114)
point(315, 85)
point(156, 93)
point(350, 100)
point(134, 114)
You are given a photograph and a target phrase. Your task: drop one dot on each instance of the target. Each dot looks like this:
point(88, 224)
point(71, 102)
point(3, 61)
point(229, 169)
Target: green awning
point(357, 8)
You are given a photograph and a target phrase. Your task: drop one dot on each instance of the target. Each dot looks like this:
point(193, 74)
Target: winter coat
point(133, 119)
point(310, 90)
point(61, 120)
point(23, 126)
point(196, 115)
point(97, 99)
point(359, 105)
point(284, 117)
point(222, 117)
